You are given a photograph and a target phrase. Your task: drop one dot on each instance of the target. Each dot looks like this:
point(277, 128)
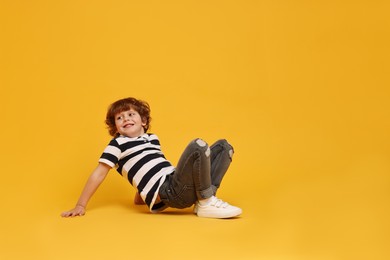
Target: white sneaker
point(216, 208)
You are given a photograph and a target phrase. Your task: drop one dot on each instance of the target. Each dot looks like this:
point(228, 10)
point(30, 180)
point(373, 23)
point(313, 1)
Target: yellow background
point(300, 88)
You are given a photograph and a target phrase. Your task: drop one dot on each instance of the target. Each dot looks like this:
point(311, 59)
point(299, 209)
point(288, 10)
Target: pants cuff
point(205, 194)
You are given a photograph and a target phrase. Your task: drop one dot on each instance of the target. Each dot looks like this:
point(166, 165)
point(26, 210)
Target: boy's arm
point(94, 181)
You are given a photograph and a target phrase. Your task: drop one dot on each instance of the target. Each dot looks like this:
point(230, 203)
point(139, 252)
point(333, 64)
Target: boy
point(137, 156)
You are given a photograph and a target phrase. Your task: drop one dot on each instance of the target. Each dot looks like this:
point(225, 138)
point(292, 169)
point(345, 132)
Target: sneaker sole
point(219, 214)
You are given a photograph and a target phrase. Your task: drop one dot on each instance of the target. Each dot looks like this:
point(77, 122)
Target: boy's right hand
point(77, 211)
point(138, 200)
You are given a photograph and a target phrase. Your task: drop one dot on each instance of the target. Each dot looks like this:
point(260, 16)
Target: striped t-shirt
point(141, 161)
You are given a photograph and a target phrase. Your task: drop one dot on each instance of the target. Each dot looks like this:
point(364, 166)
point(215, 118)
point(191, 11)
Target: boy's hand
point(138, 200)
point(77, 211)
point(94, 180)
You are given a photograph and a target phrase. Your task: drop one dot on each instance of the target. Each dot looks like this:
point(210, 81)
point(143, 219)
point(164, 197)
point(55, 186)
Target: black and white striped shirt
point(141, 161)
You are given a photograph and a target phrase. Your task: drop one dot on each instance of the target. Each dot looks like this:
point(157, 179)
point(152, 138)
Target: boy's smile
point(129, 123)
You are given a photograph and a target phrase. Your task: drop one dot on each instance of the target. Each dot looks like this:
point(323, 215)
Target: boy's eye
point(119, 118)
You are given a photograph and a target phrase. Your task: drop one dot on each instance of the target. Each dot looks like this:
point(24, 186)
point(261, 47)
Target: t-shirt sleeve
point(111, 154)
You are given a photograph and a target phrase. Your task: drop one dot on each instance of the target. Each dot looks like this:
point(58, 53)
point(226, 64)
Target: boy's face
point(129, 123)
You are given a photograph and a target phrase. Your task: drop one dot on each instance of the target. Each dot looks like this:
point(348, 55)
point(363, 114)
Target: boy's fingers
point(72, 214)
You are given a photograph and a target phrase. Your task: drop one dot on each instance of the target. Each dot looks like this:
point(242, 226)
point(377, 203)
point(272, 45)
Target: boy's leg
point(191, 180)
point(221, 153)
point(220, 158)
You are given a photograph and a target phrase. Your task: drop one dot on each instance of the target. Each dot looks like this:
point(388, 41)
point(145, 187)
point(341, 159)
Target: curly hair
point(142, 107)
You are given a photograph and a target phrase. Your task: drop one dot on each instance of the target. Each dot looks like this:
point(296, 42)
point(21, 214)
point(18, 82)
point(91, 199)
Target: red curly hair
point(142, 107)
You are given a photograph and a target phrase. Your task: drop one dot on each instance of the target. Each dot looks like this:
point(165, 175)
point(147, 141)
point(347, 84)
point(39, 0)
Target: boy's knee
point(227, 146)
point(203, 145)
point(200, 142)
point(231, 152)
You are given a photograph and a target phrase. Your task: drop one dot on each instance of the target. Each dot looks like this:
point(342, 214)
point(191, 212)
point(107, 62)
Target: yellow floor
point(320, 217)
point(299, 88)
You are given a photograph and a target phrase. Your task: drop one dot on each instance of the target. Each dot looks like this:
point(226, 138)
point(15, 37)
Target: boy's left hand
point(138, 200)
